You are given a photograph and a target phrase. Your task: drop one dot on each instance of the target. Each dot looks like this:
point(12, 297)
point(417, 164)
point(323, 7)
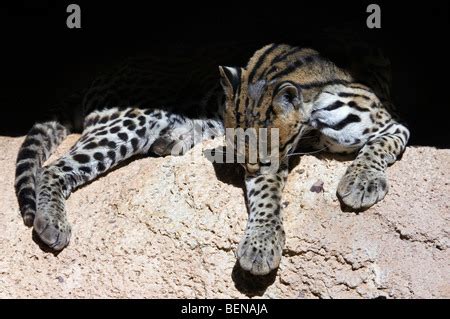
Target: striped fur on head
point(272, 91)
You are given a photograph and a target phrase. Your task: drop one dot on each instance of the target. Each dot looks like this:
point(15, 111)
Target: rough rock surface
point(168, 227)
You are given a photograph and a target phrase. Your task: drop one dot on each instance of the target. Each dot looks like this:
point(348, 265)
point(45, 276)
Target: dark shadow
point(249, 284)
point(229, 173)
point(43, 246)
point(294, 161)
point(61, 67)
point(347, 209)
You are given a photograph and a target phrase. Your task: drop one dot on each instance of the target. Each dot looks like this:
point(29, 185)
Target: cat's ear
point(230, 78)
point(287, 96)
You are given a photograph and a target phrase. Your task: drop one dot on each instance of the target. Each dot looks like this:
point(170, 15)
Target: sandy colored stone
point(168, 227)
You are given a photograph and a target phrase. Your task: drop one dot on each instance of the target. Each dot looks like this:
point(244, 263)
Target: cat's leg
point(365, 182)
point(110, 137)
point(40, 142)
point(261, 247)
point(184, 133)
point(352, 119)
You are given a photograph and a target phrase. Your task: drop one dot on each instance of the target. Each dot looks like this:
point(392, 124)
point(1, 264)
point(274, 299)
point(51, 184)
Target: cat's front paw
point(362, 189)
point(260, 250)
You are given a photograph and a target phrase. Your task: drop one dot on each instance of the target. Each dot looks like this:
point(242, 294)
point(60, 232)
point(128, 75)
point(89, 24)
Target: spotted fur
point(299, 92)
point(131, 111)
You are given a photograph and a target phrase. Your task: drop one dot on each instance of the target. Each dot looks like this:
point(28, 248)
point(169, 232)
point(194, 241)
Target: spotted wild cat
point(141, 108)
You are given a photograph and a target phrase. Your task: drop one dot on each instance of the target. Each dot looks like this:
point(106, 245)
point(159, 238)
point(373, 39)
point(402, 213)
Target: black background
point(42, 60)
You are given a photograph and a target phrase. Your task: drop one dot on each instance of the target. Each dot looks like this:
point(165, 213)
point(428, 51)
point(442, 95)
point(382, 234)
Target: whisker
point(306, 153)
